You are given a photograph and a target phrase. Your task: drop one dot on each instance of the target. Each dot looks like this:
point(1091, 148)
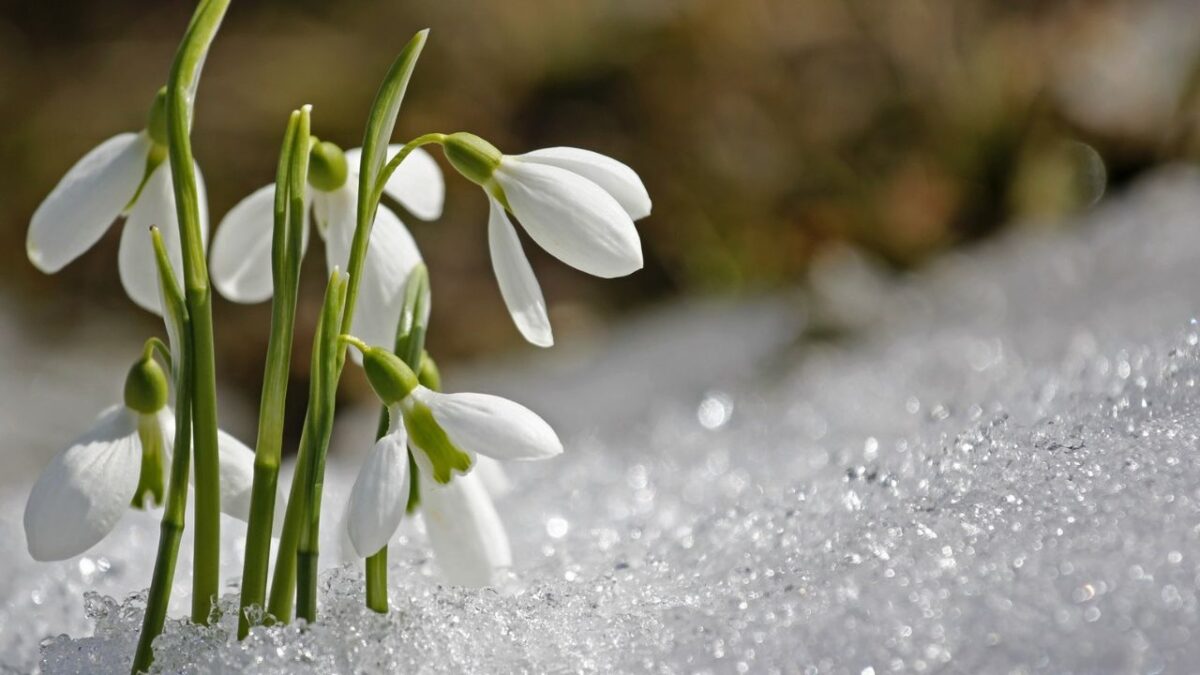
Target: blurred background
point(771, 134)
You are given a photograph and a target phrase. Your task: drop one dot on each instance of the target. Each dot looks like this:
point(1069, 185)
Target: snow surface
point(992, 468)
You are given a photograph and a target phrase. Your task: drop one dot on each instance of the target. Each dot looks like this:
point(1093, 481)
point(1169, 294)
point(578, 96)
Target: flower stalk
point(181, 87)
point(320, 414)
point(296, 564)
point(291, 176)
point(410, 344)
point(171, 528)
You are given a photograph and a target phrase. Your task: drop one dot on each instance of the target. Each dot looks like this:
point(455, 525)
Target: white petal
point(571, 217)
point(466, 533)
point(391, 256)
point(335, 211)
point(155, 206)
point(380, 493)
point(615, 177)
point(491, 425)
point(518, 286)
point(86, 488)
point(493, 476)
point(166, 422)
point(417, 183)
point(86, 201)
point(241, 253)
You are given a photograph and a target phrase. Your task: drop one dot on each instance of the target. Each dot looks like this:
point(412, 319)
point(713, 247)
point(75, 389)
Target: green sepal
point(471, 156)
point(327, 169)
point(146, 386)
point(150, 480)
point(425, 433)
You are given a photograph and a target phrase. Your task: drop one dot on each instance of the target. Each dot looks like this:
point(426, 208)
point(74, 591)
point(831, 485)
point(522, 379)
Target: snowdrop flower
point(444, 432)
point(123, 459)
point(241, 252)
point(576, 204)
point(127, 175)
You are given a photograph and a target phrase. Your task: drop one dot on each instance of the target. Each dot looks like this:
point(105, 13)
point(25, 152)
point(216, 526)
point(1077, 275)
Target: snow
point(992, 468)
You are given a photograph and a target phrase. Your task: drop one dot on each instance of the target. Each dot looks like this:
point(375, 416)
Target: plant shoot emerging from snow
point(578, 205)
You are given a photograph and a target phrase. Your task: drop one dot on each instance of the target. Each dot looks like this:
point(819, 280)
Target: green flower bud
point(429, 376)
point(327, 169)
point(391, 379)
point(146, 386)
point(156, 124)
point(473, 157)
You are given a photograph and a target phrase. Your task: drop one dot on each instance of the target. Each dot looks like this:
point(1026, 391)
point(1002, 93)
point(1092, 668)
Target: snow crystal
point(993, 469)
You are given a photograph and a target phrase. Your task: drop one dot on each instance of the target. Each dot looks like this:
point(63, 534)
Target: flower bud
point(146, 386)
point(473, 157)
point(156, 124)
point(327, 169)
point(391, 379)
point(429, 376)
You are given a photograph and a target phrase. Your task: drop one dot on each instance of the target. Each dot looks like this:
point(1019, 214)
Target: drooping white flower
point(127, 175)
point(443, 433)
point(123, 459)
point(241, 252)
point(82, 494)
point(576, 204)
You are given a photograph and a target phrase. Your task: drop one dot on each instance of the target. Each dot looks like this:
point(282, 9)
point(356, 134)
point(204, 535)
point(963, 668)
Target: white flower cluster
point(577, 205)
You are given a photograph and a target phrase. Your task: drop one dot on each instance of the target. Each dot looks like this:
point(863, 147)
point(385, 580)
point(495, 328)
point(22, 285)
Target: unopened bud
point(473, 157)
point(391, 379)
point(146, 386)
point(327, 168)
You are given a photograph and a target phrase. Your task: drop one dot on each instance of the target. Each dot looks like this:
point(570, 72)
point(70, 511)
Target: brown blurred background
point(767, 131)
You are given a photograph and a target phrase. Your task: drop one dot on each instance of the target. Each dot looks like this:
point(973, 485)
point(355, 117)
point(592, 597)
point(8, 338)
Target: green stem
point(283, 581)
point(285, 267)
point(394, 162)
point(320, 415)
point(377, 593)
point(409, 345)
point(171, 530)
point(302, 521)
point(362, 236)
point(170, 533)
point(181, 87)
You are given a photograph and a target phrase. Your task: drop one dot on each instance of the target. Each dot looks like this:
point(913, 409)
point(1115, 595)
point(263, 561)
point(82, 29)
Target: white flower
point(576, 204)
point(80, 496)
point(444, 433)
point(468, 538)
point(241, 251)
point(98, 190)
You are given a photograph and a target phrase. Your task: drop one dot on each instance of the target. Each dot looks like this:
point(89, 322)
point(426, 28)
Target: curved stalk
point(410, 344)
point(181, 88)
point(296, 560)
point(171, 529)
